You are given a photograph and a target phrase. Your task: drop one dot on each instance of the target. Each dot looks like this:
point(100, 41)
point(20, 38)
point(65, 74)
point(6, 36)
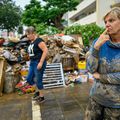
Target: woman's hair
point(30, 29)
point(114, 12)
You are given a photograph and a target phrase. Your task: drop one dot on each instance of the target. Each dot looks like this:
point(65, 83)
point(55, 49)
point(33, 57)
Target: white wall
point(80, 7)
point(86, 20)
point(102, 7)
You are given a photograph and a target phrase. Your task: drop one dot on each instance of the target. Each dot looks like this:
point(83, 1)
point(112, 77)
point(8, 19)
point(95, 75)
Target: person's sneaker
point(36, 96)
point(40, 99)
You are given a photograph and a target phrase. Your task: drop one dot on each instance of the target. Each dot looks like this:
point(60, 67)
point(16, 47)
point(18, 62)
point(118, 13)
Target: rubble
point(65, 49)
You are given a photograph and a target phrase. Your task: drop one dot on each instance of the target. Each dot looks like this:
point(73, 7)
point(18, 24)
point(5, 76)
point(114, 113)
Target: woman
point(104, 63)
point(37, 51)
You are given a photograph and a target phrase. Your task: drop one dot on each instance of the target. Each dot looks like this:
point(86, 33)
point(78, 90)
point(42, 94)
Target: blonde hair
point(114, 12)
point(30, 29)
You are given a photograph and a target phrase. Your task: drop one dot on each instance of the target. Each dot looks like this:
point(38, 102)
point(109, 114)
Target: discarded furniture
point(53, 76)
point(2, 73)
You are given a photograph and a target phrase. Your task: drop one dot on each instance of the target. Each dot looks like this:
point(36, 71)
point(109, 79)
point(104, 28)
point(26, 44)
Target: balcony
point(116, 3)
point(86, 20)
point(81, 7)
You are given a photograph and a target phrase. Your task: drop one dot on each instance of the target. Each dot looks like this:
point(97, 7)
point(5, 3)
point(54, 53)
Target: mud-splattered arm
point(110, 78)
point(92, 60)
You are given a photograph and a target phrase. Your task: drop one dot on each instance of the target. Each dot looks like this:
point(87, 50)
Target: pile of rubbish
point(65, 49)
point(63, 46)
point(14, 51)
point(78, 77)
point(23, 88)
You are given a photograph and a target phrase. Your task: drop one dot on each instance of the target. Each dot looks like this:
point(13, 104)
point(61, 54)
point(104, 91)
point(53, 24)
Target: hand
point(39, 66)
point(101, 40)
point(96, 75)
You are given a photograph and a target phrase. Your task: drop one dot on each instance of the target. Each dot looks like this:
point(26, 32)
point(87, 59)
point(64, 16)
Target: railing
point(80, 7)
point(86, 20)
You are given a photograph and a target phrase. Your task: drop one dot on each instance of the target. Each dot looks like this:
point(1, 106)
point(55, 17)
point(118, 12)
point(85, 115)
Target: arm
point(92, 61)
point(43, 47)
point(110, 78)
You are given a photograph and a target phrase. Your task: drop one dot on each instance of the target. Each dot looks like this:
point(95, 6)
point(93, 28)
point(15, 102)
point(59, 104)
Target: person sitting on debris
point(104, 63)
point(37, 52)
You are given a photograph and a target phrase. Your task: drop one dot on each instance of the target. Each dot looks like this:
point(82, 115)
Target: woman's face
point(30, 36)
point(112, 24)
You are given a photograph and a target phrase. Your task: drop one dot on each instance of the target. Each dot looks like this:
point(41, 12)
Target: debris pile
point(65, 49)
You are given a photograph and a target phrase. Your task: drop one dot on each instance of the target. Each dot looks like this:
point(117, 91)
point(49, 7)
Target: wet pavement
point(15, 107)
point(66, 103)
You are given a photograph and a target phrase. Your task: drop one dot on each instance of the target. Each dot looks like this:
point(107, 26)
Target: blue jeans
point(35, 73)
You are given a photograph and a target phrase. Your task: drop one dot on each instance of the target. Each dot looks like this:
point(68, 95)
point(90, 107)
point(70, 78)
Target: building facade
point(90, 11)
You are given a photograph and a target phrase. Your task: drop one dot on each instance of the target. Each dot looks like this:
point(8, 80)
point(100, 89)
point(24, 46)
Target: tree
point(10, 15)
point(50, 14)
point(20, 29)
point(32, 14)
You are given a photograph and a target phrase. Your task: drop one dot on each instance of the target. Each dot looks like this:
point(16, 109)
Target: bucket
point(82, 65)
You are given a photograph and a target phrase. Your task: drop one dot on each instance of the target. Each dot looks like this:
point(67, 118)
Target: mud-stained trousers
point(95, 111)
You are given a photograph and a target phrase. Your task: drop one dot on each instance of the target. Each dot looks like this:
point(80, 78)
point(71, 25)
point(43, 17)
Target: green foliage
point(89, 32)
point(32, 14)
point(50, 14)
point(44, 29)
point(41, 29)
point(10, 15)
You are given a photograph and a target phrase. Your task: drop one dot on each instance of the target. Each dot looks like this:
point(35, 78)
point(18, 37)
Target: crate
point(53, 76)
point(68, 63)
point(2, 73)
